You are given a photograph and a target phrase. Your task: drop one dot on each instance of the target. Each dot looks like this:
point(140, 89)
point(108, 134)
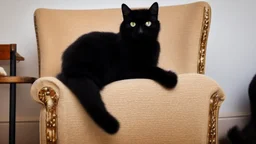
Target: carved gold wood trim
point(203, 41)
point(215, 102)
point(50, 98)
point(38, 48)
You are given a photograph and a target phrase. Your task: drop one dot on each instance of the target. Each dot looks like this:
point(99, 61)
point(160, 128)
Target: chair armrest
point(148, 113)
point(47, 91)
point(46, 82)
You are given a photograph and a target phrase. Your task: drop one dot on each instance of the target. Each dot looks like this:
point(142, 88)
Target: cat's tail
point(89, 96)
point(252, 97)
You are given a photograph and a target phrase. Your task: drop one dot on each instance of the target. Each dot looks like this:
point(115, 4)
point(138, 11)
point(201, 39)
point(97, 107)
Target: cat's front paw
point(109, 124)
point(170, 79)
point(112, 126)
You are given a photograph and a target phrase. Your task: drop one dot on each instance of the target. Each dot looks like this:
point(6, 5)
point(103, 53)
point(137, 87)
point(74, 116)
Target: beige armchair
point(148, 113)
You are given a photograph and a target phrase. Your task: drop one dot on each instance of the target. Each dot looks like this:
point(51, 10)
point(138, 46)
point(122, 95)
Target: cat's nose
point(140, 30)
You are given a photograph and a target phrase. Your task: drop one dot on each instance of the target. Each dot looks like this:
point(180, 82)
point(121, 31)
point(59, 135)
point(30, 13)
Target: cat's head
point(140, 24)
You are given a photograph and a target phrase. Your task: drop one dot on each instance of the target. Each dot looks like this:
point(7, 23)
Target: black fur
point(248, 134)
point(99, 58)
point(252, 98)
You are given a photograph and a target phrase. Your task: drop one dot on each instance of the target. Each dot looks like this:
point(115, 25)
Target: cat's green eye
point(132, 24)
point(148, 23)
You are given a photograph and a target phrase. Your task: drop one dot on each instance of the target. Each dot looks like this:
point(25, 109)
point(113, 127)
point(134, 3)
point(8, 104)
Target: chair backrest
point(183, 36)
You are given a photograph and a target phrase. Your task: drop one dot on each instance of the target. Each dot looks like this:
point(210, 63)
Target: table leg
point(12, 114)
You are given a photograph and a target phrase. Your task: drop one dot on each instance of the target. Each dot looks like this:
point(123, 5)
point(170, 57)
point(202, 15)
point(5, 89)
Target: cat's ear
point(154, 9)
point(125, 10)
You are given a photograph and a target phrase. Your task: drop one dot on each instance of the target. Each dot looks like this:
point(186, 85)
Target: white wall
point(230, 54)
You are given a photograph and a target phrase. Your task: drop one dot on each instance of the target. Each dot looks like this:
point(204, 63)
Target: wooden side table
point(9, 52)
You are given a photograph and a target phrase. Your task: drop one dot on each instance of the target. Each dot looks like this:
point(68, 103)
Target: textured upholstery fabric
point(181, 30)
point(148, 113)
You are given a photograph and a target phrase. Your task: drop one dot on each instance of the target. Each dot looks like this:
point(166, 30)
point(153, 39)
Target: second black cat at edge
point(99, 58)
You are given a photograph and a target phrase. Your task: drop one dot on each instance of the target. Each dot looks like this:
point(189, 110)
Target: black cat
point(248, 134)
point(99, 58)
